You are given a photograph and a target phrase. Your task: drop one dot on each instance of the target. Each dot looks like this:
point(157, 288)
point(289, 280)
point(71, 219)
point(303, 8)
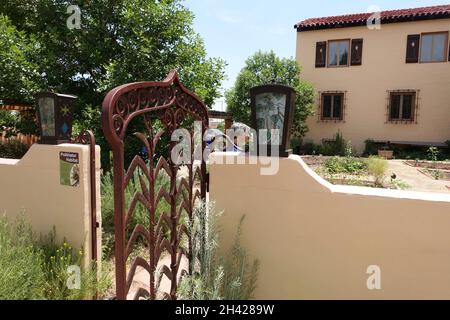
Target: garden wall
point(316, 241)
point(33, 186)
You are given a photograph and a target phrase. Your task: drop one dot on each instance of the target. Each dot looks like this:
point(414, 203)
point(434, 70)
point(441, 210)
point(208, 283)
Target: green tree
point(265, 68)
point(119, 41)
point(18, 75)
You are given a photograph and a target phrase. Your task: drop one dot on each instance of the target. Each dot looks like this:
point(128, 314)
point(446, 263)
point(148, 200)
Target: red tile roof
point(360, 19)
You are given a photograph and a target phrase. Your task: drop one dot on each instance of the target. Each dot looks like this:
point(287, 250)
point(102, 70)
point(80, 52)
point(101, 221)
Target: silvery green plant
point(216, 277)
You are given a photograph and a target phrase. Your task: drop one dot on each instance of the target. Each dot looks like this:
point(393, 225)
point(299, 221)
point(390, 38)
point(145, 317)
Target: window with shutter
point(321, 54)
point(338, 53)
point(357, 49)
point(412, 48)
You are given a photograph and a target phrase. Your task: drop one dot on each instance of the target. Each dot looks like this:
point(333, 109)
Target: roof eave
point(388, 20)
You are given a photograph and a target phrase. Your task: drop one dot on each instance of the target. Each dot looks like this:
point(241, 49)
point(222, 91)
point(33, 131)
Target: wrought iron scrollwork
point(166, 235)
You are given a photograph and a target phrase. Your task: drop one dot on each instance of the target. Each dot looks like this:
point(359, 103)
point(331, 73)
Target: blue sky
point(235, 29)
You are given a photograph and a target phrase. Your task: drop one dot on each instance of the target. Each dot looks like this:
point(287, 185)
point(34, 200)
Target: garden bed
point(314, 161)
point(439, 165)
point(362, 172)
point(436, 174)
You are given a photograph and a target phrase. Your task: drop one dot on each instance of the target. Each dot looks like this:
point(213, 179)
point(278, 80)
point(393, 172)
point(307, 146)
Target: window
point(338, 53)
point(402, 106)
point(332, 107)
point(433, 47)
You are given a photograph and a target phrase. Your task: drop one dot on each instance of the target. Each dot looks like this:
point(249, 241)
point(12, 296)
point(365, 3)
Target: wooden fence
point(26, 139)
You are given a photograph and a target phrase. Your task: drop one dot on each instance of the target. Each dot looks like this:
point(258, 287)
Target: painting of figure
point(47, 114)
point(270, 112)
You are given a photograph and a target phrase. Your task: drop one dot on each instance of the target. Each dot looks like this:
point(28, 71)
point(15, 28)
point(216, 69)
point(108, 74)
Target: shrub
point(350, 165)
point(32, 269)
point(311, 148)
point(433, 153)
point(140, 215)
point(399, 185)
point(327, 149)
point(377, 167)
point(56, 259)
point(335, 147)
point(446, 152)
point(371, 148)
point(410, 153)
point(231, 277)
point(240, 275)
point(21, 275)
point(296, 144)
point(13, 150)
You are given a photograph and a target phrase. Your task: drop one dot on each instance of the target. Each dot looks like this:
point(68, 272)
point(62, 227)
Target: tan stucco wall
point(316, 241)
point(32, 186)
point(383, 69)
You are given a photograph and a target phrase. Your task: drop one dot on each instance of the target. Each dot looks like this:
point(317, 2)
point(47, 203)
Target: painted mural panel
point(270, 111)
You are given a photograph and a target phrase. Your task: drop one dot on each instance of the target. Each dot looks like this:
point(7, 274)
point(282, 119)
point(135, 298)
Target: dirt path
point(417, 180)
point(142, 277)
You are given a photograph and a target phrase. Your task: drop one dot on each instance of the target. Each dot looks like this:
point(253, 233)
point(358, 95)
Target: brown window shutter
point(357, 49)
point(321, 54)
point(412, 48)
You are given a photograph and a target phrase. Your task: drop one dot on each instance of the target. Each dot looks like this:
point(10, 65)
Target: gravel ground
point(417, 180)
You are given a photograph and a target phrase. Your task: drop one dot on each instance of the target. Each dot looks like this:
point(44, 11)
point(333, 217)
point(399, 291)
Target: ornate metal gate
point(171, 105)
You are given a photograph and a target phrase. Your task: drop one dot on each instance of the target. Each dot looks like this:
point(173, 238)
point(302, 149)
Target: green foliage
point(433, 153)
point(371, 148)
point(140, 215)
point(377, 167)
point(56, 259)
point(8, 119)
point(21, 276)
point(240, 276)
point(13, 150)
point(421, 153)
point(399, 185)
point(335, 147)
point(120, 41)
point(410, 153)
point(18, 73)
point(34, 269)
point(436, 174)
point(311, 148)
point(216, 277)
point(221, 127)
point(349, 152)
point(266, 68)
point(349, 165)
point(13, 123)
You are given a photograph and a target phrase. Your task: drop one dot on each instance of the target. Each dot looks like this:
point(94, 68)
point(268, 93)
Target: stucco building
point(385, 82)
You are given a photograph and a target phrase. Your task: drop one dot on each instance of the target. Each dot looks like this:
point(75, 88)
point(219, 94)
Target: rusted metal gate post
point(170, 103)
point(88, 138)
